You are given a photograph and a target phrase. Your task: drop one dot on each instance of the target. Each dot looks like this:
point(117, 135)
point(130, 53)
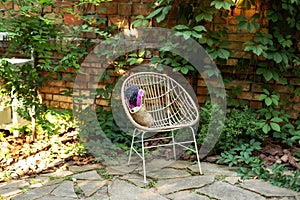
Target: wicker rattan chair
point(169, 106)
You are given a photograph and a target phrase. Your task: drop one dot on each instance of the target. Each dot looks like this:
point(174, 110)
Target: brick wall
point(123, 12)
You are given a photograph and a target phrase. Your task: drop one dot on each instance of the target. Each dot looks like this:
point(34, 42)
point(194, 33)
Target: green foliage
point(111, 130)
point(238, 124)
point(40, 35)
point(250, 166)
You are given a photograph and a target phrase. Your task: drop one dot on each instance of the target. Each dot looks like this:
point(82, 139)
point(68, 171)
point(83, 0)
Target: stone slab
point(14, 184)
point(90, 187)
point(157, 164)
point(267, 189)
point(184, 195)
point(100, 194)
point(58, 174)
point(65, 189)
point(214, 169)
point(226, 191)
point(120, 189)
point(180, 164)
point(174, 185)
point(120, 170)
point(89, 175)
point(232, 180)
point(168, 173)
point(36, 193)
point(136, 179)
point(7, 192)
point(83, 168)
point(50, 197)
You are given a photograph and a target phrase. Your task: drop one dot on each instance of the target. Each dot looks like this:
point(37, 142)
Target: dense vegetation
point(273, 54)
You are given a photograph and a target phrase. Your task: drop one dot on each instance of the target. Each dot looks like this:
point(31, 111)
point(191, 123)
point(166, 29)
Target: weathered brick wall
point(237, 69)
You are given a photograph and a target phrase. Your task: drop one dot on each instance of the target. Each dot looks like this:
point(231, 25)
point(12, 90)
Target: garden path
point(167, 180)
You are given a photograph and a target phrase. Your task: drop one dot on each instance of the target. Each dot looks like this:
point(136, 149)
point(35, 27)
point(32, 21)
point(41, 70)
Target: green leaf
point(181, 27)
point(154, 13)
point(275, 127)
point(268, 75)
point(199, 28)
point(262, 96)
point(268, 101)
point(266, 128)
point(276, 119)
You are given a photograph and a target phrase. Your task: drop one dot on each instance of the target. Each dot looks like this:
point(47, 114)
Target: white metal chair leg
point(143, 158)
point(173, 142)
point(196, 150)
point(131, 147)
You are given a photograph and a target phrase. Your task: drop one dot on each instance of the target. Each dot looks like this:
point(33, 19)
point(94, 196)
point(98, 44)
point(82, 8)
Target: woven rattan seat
point(170, 107)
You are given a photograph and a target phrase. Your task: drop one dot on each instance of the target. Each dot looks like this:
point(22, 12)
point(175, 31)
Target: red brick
point(245, 86)
point(108, 8)
point(202, 99)
point(202, 90)
point(54, 104)
point(124, 9)
point(232, 62)
point(256, 88)
point(141, 9)
point(54, 90)
point(65, 105)
point(48, 96)
point(70, 19)
point(245, 95)
point(255, 104)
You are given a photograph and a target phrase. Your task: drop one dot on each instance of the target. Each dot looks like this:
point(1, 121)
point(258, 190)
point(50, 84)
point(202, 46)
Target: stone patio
point(166, 180)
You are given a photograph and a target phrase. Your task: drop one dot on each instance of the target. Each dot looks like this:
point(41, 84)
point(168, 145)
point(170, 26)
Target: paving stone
point(121, 160)
point(297, 197)
point(120, 170)
point(58, 174)
point(267, 189)
point(214, 169)
point(157, 164)
point(83, 168)
point(226, 191)
point(36, 193)
point(120, 189)
point(173, 185)
point(232, 180)
point(14, 184)
point(90, 175)
point(50, 197)
point(167, 173)
point(65, 189)
point(8, 192)
point(90, 187)
point(100, 195)
point(184, 195)
point(282, 198)
point(136, 179)
point(12, 188)
point(180, 164)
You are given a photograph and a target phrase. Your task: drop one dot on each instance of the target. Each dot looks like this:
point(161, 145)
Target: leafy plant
point(238, 124)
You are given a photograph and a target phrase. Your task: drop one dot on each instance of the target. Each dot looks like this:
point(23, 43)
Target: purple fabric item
point(139, 97)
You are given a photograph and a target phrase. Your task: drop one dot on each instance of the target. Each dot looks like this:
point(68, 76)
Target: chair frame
point(171, 107)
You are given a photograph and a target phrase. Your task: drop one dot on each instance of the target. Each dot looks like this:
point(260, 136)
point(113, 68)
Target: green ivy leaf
point(276, 120)
point(268, 101)
point(181, 27)
point(200, 28)
point(268, 75)
point(275, 127)
point(154, 13)
point(266, 128)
